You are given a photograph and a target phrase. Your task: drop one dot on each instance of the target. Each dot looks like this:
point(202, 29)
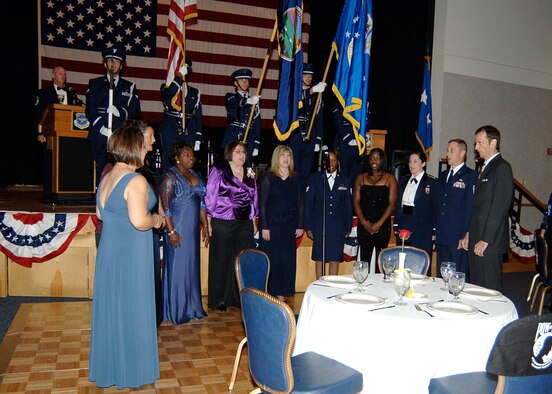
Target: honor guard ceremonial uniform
point(238, 109)
point(126, 105)
point(171, 129)
point(303, 149)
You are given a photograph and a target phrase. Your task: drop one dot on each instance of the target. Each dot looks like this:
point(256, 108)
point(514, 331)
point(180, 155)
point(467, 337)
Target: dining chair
point(416, 259)
point(543, 271)
point(537, 275)
point(519, 362)
point(252, 267)
point(270, 329)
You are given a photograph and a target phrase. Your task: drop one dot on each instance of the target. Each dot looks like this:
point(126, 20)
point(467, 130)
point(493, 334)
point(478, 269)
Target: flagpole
point(182, 91)
point(317, 104)
point(261, 78)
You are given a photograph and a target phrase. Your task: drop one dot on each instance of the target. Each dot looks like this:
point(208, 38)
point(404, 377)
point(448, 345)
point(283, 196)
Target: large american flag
point(226, 35)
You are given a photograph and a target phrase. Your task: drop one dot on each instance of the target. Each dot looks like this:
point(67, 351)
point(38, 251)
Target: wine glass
point(456, 284)
point(360, 273)
point(401, 285)
point(388, 264)
point(448, 268)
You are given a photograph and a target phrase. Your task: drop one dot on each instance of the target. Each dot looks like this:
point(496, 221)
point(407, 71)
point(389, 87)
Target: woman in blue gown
point(281, 218)
point(123, 343)
point(182, 195)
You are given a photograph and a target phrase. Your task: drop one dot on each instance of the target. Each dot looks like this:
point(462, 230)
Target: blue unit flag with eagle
point(290, 50)
point(352, 44)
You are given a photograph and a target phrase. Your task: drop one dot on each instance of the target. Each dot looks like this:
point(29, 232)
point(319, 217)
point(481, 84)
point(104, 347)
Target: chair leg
point(535, 295)
point(256, 391)
point(532, 286)
point(236, 364)
point(546, 288)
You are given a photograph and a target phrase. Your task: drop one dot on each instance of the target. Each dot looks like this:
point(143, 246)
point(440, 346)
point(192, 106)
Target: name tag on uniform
point(484, 180)
point(459, 184)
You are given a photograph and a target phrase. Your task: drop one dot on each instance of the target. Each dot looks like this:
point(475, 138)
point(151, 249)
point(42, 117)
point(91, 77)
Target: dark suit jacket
point(422, 221)
point(48, 96)
point(494, 192)
point(454, 205)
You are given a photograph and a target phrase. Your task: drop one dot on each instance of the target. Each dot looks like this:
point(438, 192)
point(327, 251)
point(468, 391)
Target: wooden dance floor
point(46, 350)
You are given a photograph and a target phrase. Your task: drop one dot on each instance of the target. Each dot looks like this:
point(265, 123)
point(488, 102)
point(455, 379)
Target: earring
point(177, 162)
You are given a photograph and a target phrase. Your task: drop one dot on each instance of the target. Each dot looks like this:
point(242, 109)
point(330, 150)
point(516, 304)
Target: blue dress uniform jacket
point(454, 206)
point(422, 220)
point(170, 128)
point(238, 112)
point(303, 150)
point(125, 98)
point(344, 134)
point(339, 214)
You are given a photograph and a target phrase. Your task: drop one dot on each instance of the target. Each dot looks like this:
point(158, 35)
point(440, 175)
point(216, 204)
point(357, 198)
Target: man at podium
point(106, 110)
point(57, 93)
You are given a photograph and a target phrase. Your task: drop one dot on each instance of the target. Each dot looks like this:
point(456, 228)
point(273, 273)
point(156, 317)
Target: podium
point(66, 130)
point(377, 139)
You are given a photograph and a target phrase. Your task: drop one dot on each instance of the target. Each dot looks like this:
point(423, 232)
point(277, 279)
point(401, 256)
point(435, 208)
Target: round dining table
point(399, 349)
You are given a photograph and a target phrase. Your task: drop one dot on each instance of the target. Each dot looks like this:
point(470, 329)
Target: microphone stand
point(324, 180)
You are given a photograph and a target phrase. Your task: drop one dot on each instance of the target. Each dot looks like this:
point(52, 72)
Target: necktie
point(414, 181)
point(451, 173)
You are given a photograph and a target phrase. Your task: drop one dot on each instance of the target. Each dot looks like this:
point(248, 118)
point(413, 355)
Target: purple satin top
point(227, 197)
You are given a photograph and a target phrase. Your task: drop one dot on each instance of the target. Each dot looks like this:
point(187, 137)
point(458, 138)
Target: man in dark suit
point(57, 93)
point(488, 236)
point(125, 105)
point(171, 129)
point(416, 205)
point(238, 110)
point(328, 196)
point(454, 207)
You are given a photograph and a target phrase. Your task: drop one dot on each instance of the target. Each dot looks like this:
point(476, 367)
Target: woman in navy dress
point(123, 340)
point(231, 202)
point(416, 205)
point(328, 196)
point(182, 195)
point(281, 220)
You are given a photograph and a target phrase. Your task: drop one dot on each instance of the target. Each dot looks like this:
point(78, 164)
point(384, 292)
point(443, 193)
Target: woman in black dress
point(374, 201)
point(281, 219)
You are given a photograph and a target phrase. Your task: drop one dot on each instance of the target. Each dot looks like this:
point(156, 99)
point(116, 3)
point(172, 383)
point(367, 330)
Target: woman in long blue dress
point(281, 218)
point(182, 195)
point(123, 343)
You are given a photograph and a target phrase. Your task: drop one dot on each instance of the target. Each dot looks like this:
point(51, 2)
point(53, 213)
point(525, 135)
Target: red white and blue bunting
point(28, 238)
point(522, 242)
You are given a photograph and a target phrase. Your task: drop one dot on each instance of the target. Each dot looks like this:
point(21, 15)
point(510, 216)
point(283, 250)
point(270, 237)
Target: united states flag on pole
point(352, 43)
point(228, 35)
point(424, 133)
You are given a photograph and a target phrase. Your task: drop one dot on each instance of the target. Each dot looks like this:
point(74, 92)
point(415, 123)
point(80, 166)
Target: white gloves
point(253, 100)
point(113, 110)
point(319, 87)
point(105, 131)
point(183, 70)
point(197, 145)
point(255, 151)
point(352, 142)
point(316, 148)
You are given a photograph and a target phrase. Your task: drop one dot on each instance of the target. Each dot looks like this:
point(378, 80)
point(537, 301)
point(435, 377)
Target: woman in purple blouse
point(231, 202)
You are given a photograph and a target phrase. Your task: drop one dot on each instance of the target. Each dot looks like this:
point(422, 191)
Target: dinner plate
point(415, 297)
point(418, 278)
point(339, 281)
point(360, 299)
point(452, 309)
point(481, 293)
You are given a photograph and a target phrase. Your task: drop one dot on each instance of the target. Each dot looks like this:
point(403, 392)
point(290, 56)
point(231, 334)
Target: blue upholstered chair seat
point(465, 383)
point(417, 260)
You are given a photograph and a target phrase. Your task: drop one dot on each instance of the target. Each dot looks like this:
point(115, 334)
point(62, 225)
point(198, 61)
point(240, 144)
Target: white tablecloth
point(399, 350)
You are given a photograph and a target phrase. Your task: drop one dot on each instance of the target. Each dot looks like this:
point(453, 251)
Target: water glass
point(456, 284)
point(389, 263)
point(401, 285)
point(360, 273)
point(448, 268)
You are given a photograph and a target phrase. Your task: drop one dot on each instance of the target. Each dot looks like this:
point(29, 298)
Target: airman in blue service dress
point(238, 109)
point(171, 129)
point(57, 93)
point(126, 105)
point(454, 210)
point(303, 149)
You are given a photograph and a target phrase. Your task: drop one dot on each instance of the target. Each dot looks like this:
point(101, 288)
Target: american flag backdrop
point(226, 35)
